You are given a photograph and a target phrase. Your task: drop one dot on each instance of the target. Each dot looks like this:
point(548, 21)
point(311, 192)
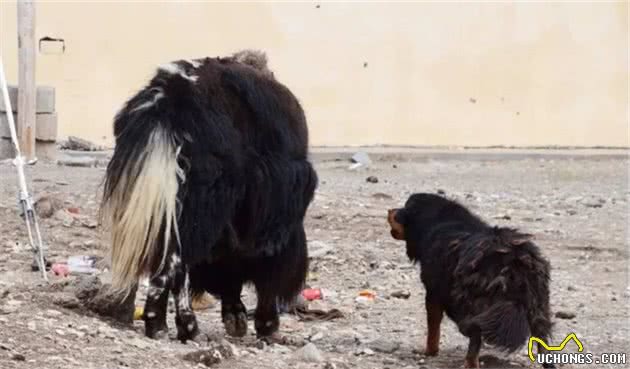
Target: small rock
point(64, 216)
point(310, 354)
point(85, 162)
point(372, 179)
point(401, 295)
point(593, 202)
point(385, 346)
point(441, 192)
point(18, 357)
point(215, 354)
point(382, 196)
point(281, 349)
point(79, 144)
point(317, 249)
point(53, 313)
point(139, 343)
point(565, 315)
point(46, 205)
point(366, 351)
point(316, 337)
point(117, 350)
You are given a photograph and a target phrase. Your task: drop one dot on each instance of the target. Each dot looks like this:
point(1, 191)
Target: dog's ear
point(397, 227)
point(400, 216)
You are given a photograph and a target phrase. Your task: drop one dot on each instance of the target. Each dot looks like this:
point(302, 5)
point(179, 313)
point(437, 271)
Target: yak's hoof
point(187, 327)
point(235, 324)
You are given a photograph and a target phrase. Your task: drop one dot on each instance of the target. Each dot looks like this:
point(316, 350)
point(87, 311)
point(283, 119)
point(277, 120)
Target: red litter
point(311, 294)
point(60, 269)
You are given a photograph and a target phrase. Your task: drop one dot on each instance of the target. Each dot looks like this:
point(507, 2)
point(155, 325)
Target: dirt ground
point(575, 204)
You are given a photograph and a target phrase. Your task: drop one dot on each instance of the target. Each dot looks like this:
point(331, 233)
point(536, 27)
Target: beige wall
point(540, 73)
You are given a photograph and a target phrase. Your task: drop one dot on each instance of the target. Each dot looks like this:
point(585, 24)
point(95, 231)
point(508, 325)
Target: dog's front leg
point(435, 312)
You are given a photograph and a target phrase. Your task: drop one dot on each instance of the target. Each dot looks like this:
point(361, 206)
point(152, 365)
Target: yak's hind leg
point(233, 311)
point(185, 319)
point(279, 278)
point(156, 305)
point(223, 279)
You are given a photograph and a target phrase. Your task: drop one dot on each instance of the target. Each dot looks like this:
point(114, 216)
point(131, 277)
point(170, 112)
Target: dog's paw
point(431, 351)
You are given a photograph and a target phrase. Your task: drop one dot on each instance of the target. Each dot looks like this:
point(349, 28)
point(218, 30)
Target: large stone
point(98, 297)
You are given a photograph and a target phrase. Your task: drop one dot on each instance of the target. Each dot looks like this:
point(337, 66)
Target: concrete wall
point(408, 74)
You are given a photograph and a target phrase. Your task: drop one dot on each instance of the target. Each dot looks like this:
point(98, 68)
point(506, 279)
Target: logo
point(552, 354)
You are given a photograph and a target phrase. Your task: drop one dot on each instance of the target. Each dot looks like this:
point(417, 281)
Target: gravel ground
point(576, 205)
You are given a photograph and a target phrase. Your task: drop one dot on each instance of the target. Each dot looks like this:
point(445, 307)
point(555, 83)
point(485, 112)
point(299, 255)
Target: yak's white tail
point(140, 203)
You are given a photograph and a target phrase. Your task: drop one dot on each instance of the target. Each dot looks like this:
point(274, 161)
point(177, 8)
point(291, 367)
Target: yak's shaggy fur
point(207, 189)
point(492, 282)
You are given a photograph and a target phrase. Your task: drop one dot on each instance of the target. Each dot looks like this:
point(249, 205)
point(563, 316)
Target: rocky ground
point(575, 204)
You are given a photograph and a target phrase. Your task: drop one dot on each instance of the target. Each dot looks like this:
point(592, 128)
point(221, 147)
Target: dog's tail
point(504, 325)
point(508, 280)
point(143, 178)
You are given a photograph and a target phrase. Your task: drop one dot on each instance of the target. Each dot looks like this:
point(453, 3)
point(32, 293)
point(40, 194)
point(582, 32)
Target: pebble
point(385, 346)
point(316, 337)
point(401, 294)
point(318, 249)
point(565, 314)
point(593, 202)
point(366, 351)
point(139, 343)
point(309, 354)
point(53, 313)
point(18, 357)
point(372, 179)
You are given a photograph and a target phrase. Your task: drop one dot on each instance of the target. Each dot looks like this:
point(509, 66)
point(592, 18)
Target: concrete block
point(45, 126)
point(6, 149)
point(45, 102)
point(46, 150)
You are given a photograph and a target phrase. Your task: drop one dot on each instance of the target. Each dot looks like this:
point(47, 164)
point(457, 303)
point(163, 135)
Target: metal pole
point(25, 199)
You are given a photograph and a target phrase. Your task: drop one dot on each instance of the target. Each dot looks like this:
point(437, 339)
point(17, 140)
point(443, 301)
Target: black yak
point(492, 282)
point(207, 190)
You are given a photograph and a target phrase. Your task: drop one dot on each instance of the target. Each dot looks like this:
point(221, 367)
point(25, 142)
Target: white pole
point(25, 198)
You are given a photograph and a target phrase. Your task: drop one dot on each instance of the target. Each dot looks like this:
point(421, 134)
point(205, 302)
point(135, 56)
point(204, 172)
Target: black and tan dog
point(492, 282)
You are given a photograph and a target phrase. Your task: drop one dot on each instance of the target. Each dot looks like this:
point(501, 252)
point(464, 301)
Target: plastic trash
point(138, 313)
point(60, 269)
point(368, 294)
point(82, 264)
point(311, 294)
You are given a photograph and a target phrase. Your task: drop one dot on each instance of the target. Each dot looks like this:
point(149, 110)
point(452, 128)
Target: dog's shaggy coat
point(492, 282)
point(207, 189)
